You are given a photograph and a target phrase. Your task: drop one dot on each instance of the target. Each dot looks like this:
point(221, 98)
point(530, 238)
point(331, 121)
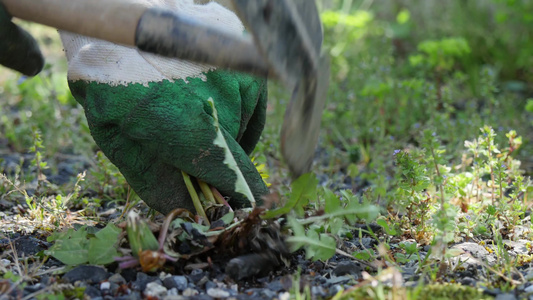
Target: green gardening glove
point(18, 50)
point(151, 117)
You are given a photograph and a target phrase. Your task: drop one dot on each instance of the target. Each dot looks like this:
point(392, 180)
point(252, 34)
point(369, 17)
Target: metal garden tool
point(286, 45)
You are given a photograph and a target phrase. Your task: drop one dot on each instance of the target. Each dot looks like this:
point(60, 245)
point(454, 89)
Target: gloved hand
point(18, 50)
point(151, 117)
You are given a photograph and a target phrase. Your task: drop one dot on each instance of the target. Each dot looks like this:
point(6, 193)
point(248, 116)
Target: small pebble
point(89, 274)
point(275, 286)
point(347, 268)
point(202, 282)
point(173, 292)
point(268, 294)
point(177, 282)
point(210, 284)
point(188, 292)
point(318, 292)
point(218, 293)
point(285, 296)
point(92, 292)
point(142, 281)
point(529, 289)
point(135, 295)
point(338, 280)
point(34, 288)
point(190, 267)
point(368, 243)
point(467, 281)
point(196, 275)
point(114, 288)
point(154, 289)
point(117, 278)
point(492, 292)
point(506, 296)
point(334, 290)
point(106, 285)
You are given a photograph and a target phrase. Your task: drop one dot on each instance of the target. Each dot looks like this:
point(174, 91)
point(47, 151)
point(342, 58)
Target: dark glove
point(18, 49)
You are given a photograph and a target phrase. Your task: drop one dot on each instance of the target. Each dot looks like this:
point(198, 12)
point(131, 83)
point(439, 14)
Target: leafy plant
point(317, 232)
point(75, 247)
point(440, 55)
point(303, 191)
point(319, 246)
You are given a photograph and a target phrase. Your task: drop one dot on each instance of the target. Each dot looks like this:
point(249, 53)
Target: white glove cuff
point(100, 61)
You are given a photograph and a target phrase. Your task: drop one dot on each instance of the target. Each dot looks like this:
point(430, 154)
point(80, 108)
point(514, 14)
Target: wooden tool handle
point(155, 30)
point(114, 21)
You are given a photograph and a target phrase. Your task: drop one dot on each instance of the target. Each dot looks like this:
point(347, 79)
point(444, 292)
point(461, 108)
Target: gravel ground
point(217, 275)
point(206, 278)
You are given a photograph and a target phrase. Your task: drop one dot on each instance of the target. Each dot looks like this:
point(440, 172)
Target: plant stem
point(219, 198)
point(334, 214)
point(438, 174)
point(491, 171)
point(206, 190)
point(194, 196)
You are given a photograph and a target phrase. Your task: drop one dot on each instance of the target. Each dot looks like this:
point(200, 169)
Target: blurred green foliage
point(412, 84)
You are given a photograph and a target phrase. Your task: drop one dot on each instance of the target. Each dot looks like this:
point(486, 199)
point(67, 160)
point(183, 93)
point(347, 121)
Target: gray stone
point(518, 247)
point(347, 268)
point(411, 284)
point(368, 243)
point(275, 286)
point(178, 282)
point(142, 281)
point(318, 292)
point(474, 249)
point(520, 231)
point(172, 292)
point(529, 275)
point(135, 295)
point(114, 288)
point(92, 292)
point(506, 296)
point(201, 297)
point(268, 294)
point(473, 254)
point(210, 284)
point(253, 293)
point(29, 246)
point(188, 292)
point(334, 290)
point(338, 280)
point(5, 262)
point(176, 297)
point(34, 288)
point(468, 281)
point(529, 289)
point(89, 274)
point(196, 275)
point(408, 271)
point(117, 278)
